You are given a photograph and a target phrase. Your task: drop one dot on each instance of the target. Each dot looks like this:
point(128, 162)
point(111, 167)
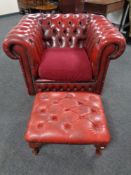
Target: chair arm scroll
point(104, 41)
point(27, 34)
point(25, 42)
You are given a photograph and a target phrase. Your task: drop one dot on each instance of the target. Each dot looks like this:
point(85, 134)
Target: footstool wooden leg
point(99, 148)
point(35, 151)
point(35, 147)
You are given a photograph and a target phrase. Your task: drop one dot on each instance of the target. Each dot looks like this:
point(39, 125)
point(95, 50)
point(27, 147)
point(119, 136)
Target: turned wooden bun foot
point(99, 149)
point(36, 151)
point(35, 147)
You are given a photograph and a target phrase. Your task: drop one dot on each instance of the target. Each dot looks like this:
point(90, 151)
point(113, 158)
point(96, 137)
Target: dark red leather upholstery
point(67, 118)
point(65, 30)
point(65, 64)
point(35, 32)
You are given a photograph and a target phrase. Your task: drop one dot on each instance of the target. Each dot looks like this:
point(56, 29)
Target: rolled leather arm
point(26, 37)
point(24, 42)
point(104, 41)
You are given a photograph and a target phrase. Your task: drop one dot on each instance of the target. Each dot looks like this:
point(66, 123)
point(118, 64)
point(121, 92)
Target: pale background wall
point(8, 6)
point(115, 17)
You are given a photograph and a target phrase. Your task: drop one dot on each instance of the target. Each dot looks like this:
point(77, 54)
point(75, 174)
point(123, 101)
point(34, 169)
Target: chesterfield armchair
point(64, 52)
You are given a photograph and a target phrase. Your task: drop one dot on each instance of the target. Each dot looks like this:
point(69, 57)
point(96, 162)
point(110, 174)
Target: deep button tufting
point(61, 89)
point(47, 89)
point(70, 117)
point(82, 89)
point(70, 40)
point(69, 95)
point(60, 41)
point(68, 89)
point(82, 117)
point(69, 25)
point(41, 109)
point(65, 31)
point(49, 23)
point(80, 103)
point(30, 40)
point(96, 126)
point(40, 125)
point(75, 31)
point(84, 31)
point(76, 15)
point(54, 89)
point(55, 31)
point(75, 89)
point(95, 104)
point(44, 97)
point(67, 126)
point(55, 15)
point(67, 109)
point(54, 117)
point(80, 23)
point(93, 98)
point(59, 22)
point(55, 102)
point(56, 95)
point(94, 110)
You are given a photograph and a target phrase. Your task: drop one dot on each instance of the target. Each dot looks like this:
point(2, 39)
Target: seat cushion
point(67, 117)
point(65, 64)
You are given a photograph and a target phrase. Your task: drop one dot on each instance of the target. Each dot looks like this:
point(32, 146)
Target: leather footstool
point(67, 117)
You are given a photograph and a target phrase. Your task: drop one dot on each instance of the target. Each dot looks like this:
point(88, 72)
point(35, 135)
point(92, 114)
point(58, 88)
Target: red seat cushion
point(65, 64)
point(67, 117)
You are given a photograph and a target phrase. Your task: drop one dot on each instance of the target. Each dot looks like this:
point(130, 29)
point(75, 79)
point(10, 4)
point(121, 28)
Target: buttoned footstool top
point(67, 117)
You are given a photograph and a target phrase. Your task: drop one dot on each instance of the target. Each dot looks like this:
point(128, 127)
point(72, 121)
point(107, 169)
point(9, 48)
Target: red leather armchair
point(59, 52)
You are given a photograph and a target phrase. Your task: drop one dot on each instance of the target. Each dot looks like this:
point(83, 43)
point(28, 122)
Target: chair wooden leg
point(99, 149)
point(35, 147)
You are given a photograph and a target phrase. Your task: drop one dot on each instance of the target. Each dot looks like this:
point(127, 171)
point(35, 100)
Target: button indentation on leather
point(67, 126)
point(67, 109)
point(42, 109)
point(55, 102)
point(40, 125)
point(80, 103)
point(69, 96)
point(44, 97)
point(93, 110)
point(82, 117)
point(54, 117)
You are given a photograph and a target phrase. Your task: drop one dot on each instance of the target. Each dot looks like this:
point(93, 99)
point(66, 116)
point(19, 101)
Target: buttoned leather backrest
point(64, 30)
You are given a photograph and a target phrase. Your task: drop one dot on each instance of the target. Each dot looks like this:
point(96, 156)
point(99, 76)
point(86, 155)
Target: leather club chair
point(64, 52)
